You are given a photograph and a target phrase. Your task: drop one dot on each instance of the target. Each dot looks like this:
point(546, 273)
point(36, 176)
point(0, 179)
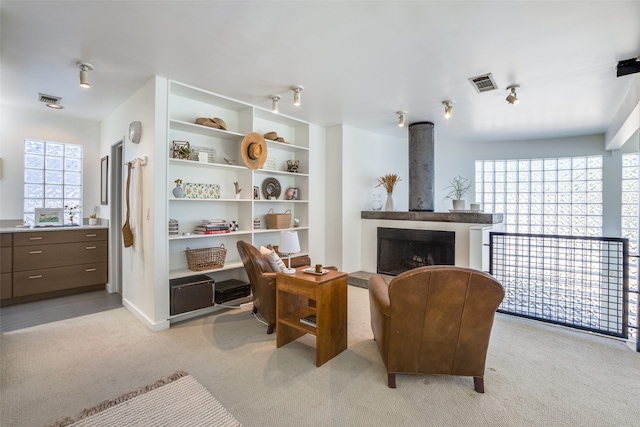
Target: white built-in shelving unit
point(186, 103)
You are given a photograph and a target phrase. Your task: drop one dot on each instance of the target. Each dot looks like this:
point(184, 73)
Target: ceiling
point(359, 62)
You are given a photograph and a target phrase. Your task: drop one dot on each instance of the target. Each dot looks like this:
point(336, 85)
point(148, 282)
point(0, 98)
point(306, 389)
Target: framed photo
point(104, 179)
point(49, 217)
point(270, 164)
point(292, 193)
point(256, 193)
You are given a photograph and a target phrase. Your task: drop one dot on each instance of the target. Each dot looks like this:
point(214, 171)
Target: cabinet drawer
point(46, 256)
point(5, 260)
point(29, 238)
point(5, 240)
point(5, 285)
point(56, 279)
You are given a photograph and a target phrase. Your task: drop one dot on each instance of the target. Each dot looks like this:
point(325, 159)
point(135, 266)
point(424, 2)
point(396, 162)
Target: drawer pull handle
point(90, 235)
point(90, 269)
point(39, 276)
point(35, 238)
point(90, 247)
point(35, 252)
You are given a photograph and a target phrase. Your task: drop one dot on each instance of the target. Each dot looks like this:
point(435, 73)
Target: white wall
point(144, 287)
point(318, 194)
point(356, 158)
point(45, 124)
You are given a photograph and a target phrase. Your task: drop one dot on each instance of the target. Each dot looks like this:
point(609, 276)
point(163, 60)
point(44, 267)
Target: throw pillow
point(276, 263)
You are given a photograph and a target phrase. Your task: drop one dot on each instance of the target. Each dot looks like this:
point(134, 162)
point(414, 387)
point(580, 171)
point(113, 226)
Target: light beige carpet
point(537, 374)
point(178, 401)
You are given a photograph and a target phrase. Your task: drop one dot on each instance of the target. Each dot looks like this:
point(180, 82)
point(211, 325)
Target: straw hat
point(273, 136)
point(216, 122)
point(254, 150)
point(220, 122)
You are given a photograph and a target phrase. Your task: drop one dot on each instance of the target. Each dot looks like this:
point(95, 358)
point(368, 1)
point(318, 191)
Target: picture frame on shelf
point(292, 193)
point(270, 164)
point(256, 192)
point(49, 217)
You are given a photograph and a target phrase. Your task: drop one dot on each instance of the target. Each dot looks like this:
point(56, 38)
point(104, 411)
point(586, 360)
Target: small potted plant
point(458, 186)
point(93, 219)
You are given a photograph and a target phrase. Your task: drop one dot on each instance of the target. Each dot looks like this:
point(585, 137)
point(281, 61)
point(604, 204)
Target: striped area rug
point(178, 401)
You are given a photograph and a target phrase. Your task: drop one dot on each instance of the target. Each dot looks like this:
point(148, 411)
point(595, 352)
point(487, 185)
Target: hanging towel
point(137, 208)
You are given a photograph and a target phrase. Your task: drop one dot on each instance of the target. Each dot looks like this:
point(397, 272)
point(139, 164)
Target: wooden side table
point(295, 297)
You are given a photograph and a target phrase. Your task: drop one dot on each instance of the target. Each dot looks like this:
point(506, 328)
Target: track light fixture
point(274, 103)
point(512, 98)
point(296, 94)
point(84, 73)
point(401, 118)
point(448, 108)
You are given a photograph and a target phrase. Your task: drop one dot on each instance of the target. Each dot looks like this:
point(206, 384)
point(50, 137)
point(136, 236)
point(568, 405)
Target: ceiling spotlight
point(274, 103)
point(448, 107)
point(84, 73)
point(401, 118)
point(512, 98)
point(296, 94)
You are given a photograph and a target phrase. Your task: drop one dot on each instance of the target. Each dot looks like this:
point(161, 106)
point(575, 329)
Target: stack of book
point(212, 226)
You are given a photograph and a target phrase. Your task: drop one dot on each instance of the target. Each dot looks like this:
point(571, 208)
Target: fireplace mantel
point(459, 217)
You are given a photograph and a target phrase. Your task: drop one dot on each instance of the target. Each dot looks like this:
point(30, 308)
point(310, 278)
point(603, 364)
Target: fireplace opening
point(400, 250)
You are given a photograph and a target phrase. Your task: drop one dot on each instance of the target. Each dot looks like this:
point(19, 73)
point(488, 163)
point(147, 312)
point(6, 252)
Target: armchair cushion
point(276, 262)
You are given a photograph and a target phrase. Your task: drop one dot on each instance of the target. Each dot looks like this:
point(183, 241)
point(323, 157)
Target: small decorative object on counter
point(178, 192)
point(72, 215)
point(233, 226)
point(93, 219)
point(256, 224)
point(173, 227)
point(293, 165)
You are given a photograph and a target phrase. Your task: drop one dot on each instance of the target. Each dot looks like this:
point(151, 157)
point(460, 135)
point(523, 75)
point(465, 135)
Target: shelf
point(277, 230)
point(270, 172)
point(205, 130)
point(204, 236)
point(285, 146)
point(293, 320)
point(189, 199)
point(185, 272)
point(193, 163)
point(280, 201)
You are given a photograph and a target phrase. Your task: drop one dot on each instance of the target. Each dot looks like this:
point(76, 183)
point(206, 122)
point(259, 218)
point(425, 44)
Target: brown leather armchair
point(263, 281)
point(434, 320)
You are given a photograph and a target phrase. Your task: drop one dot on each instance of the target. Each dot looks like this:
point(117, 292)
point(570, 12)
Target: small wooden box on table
point(295, 297)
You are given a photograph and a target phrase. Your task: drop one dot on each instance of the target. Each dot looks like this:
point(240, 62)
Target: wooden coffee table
point(301, 294)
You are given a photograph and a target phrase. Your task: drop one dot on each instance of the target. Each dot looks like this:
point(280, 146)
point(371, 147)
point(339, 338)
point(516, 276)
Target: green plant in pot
point(458, 187)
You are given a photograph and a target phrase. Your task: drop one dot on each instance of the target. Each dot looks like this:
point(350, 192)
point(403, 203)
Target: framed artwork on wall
point(104, 179)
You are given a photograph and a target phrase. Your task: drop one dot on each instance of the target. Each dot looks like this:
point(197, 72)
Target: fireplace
point(400, 250)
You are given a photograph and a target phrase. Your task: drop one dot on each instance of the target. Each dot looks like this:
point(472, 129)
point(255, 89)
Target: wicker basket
point(276, 220)
point(206, 258)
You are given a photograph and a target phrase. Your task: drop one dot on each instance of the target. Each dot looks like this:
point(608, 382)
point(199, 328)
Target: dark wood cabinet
point(49, 263)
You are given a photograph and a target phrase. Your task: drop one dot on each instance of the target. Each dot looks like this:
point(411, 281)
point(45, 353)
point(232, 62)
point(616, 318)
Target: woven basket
point(276, 220)
point(206, 258)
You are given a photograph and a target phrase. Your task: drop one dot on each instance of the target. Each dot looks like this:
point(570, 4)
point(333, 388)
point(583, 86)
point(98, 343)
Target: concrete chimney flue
point(421, 167)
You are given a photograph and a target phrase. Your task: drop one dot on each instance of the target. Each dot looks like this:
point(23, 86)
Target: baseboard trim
point(154, 327)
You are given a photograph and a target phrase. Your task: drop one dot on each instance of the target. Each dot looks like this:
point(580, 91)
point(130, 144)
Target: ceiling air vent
point(48, 99)
point(483, 83)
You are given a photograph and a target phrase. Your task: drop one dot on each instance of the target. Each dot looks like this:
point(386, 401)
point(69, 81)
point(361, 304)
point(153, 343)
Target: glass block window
point(629, 229)
point(52, 178)
point(543, 196)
